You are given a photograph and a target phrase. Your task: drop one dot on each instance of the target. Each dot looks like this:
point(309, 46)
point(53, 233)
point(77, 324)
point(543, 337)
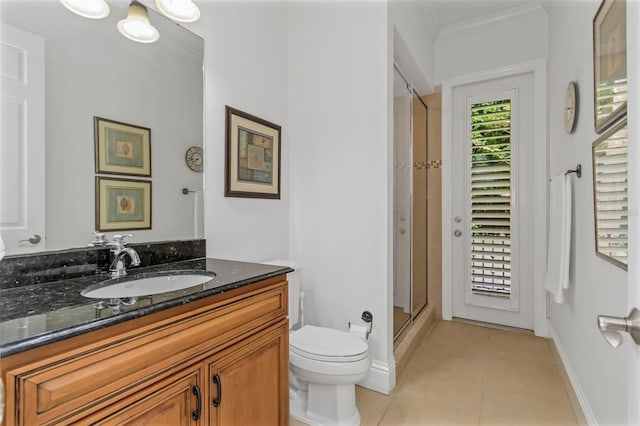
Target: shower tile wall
point(434, 197)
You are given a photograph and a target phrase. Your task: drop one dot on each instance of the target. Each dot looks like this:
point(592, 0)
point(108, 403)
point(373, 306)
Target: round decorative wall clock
point(194, 158)
point(571, 107)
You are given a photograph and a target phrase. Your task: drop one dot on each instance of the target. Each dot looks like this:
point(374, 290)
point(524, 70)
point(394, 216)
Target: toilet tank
point(294, 288)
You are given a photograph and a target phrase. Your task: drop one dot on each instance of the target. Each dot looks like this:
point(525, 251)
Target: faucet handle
point(119, 238)
point(98, 239)
point(118, 242)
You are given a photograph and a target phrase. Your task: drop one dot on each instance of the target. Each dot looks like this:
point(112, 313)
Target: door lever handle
point(610, 327)
point(34, 239)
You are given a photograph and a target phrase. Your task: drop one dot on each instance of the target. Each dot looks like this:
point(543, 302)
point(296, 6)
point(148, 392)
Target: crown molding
point(508, 16)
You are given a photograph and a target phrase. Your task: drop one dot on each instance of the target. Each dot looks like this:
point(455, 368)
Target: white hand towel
point(559, 245)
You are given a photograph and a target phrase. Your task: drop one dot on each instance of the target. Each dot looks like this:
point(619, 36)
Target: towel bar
point(577, 171)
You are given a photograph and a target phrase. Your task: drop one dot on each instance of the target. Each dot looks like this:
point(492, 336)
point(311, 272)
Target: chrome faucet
point(119, 251)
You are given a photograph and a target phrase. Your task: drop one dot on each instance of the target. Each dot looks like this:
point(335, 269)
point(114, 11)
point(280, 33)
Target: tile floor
point(465, 374)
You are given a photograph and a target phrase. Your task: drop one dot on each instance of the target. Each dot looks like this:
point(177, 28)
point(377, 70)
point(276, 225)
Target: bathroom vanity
point(213, 355)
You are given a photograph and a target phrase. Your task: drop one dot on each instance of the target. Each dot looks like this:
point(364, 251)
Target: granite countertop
point(35, 315)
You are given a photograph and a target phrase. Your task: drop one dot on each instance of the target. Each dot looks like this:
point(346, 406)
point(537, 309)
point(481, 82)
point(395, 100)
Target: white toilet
point(324, 366)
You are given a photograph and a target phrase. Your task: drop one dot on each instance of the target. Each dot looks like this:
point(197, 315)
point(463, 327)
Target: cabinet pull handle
point(218, 399)
point(196, 391)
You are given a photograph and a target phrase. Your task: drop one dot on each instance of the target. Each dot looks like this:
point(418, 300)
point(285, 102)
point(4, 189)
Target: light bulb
point(179, 10)
point(136, 25)
point(93, 9)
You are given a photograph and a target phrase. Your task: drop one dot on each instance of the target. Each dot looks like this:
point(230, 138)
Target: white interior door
point(492, 201)
point(22, 149)
point(633, 191)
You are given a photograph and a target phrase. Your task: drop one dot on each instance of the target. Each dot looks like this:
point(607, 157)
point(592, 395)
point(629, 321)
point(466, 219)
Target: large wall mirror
point(610, 194)
point(92, 70)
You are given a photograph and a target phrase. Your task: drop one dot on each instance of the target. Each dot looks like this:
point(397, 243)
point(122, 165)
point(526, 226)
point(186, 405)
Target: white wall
point(413, 42)
point(245, 68)
point(338, 125)
point(519, 36)
point(597, 287)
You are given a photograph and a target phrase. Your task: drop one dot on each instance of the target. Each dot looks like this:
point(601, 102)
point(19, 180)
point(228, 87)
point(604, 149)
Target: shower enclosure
point(410, 205)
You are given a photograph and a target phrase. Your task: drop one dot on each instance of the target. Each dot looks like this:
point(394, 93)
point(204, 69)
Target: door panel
point(173, 402)
point(22, 161)
point(244, 386)
point(493, 201)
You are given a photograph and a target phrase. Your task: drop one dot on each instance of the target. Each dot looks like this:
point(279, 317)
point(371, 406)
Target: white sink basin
point(144, 285)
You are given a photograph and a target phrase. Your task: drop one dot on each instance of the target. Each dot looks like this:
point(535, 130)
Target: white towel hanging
point(559, 243)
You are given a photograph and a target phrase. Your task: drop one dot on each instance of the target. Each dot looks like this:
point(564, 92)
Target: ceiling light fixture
point(179, 10)
point(136, 26)
point(93, 9)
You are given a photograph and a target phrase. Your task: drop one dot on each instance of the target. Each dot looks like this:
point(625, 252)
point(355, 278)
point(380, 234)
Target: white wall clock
point(571, 107)
point(194, 158)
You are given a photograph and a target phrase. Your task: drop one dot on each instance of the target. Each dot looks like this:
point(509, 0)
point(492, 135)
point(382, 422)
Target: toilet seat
point(326, 344)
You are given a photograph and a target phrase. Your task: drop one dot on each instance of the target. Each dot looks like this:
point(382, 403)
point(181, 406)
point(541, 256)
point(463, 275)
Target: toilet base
point(325, 405)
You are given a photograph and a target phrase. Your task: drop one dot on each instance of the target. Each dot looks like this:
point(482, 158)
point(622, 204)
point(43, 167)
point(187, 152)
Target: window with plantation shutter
point(491, 198)
point(610, 194)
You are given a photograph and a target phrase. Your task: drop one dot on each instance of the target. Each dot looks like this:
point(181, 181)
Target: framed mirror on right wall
point(609, 154)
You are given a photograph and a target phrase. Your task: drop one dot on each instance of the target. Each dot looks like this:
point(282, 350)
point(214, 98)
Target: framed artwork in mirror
point(609, 63)
point(252, 165)
point(122, 204)
point(609, 154)
point(121, 148)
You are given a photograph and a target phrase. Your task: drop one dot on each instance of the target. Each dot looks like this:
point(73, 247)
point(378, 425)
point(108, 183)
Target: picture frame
point(121, 148)
point(609, 63)
point(610, 205)
point(252, 165)
point(122, 204)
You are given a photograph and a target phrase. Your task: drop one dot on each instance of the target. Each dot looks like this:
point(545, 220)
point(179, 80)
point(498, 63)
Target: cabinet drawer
point(70, 388)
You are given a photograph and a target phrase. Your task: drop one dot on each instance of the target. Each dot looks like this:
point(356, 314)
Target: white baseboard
point(381, 377)
point(573, 378)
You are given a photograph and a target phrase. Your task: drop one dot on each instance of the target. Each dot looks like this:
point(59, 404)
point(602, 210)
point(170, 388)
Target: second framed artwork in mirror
point(122, 204)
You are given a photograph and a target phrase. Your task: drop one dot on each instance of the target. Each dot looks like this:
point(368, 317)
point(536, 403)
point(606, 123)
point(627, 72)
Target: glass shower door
point(402, 212)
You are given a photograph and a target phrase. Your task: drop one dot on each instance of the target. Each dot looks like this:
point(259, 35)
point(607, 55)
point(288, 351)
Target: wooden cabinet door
point(249, 382)
point(178, 400)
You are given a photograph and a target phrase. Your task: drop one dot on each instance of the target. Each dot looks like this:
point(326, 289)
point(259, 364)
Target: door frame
point(538, 68)
point(633, 275)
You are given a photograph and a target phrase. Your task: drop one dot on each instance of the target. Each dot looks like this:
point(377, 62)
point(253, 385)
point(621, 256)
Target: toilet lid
point(327, 344)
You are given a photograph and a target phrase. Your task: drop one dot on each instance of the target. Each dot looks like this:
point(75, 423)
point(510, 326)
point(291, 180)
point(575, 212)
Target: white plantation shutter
point(610, 195)
point(491, 198)
point(611, 95)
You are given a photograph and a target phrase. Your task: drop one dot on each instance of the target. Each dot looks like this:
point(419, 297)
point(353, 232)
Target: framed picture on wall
point(121, 148)
point(252, 166)
point(122, 204)
point(609, 63)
